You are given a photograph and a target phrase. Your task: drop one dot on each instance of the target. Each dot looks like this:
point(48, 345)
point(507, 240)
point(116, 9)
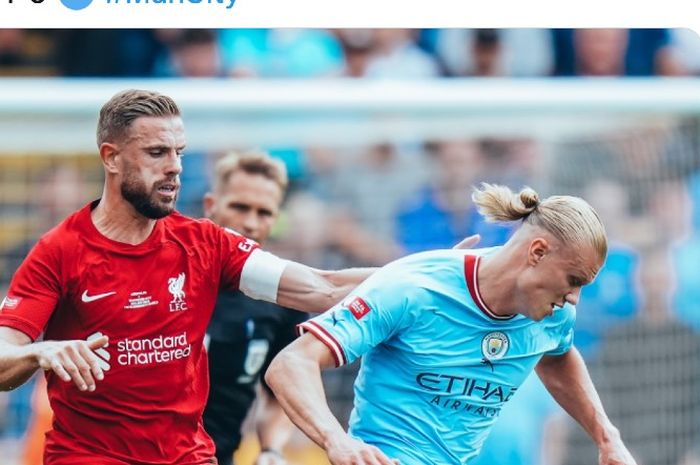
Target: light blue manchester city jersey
point(437, 365)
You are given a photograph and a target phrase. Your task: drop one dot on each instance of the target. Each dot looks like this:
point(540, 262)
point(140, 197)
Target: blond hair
point(250, 163)
point(570, 219)
point(123, 108)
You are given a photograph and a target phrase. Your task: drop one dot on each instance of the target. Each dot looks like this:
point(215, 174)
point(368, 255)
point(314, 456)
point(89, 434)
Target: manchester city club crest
point(494, 346)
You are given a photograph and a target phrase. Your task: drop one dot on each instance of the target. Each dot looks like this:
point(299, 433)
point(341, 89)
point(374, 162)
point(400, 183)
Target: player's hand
point(73, 360)
point(270, 457)
point(351, 451)
point(468, 242)
point(615, 454)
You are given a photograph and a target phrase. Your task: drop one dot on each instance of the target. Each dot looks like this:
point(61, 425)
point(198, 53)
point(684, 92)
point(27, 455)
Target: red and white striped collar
point(471, 275)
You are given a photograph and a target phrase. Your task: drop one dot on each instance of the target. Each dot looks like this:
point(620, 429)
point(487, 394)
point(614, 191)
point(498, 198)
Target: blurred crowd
point(371, 53)
point(350, 204)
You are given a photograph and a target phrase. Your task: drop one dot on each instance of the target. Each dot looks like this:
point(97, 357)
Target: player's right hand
point(352, 451)
point(72, 360)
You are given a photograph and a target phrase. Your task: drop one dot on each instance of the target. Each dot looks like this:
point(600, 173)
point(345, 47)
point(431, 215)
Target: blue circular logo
point(76, 4)
point(495, 345)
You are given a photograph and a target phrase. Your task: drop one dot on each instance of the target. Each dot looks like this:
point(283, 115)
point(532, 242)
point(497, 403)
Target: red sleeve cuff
point(327, 338)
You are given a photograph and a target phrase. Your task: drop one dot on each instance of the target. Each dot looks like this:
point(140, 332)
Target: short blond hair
point(251, 163)
point(117, 115)
point(570, 219)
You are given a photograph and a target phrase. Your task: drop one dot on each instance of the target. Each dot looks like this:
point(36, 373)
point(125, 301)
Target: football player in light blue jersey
point(447, 337)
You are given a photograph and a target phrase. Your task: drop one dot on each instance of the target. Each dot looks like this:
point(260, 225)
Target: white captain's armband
point(261, 275)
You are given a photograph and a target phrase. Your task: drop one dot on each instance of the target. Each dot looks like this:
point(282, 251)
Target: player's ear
point(208, 203)
point(539, 248)
point(108, 154)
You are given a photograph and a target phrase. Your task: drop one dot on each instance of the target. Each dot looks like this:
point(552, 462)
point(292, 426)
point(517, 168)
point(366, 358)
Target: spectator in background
point(195, 53)
point(395, 54)
point(600, 52)
point(495, 52)
point(686, 47)
point(614, 52)
point(190, 53)
point(438, 214)
point(357, 51)
point(486, 52)
point(294, 53)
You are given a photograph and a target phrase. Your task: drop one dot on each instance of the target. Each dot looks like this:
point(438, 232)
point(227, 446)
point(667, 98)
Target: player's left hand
point(270, 457)
point(615, 454)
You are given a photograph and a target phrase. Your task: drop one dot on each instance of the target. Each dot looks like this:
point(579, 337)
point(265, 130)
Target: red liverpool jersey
point(154, 301)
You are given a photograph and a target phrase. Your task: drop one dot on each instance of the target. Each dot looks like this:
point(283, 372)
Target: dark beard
point(135, 193)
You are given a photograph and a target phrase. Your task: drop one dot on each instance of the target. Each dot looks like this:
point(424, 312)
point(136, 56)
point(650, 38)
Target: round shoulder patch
point(494, 346)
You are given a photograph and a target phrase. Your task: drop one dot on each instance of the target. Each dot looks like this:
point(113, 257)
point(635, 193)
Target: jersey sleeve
point(567, 332)
point(373, 313)
point(247, 268)
point(235, 250)
point(34, 292)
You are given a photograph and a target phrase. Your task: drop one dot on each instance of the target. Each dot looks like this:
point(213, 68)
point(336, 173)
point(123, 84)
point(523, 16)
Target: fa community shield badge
point(494, 346)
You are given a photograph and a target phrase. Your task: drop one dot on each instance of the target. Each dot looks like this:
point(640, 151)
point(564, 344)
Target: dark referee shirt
point(245, 335)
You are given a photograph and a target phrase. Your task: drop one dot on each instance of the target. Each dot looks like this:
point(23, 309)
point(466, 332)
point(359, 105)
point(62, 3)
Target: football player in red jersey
point(123, 290)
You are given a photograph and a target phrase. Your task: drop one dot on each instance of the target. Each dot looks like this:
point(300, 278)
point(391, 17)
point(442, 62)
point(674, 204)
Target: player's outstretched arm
point(311, 290)
point(566, 378)
point(70, 360)
point(295, 377)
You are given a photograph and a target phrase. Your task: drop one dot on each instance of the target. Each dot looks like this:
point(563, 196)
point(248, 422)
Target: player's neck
point(495, 276)
point(116, 219)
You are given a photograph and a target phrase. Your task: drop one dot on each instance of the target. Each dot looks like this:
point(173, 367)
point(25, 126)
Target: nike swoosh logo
point(91, 298)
